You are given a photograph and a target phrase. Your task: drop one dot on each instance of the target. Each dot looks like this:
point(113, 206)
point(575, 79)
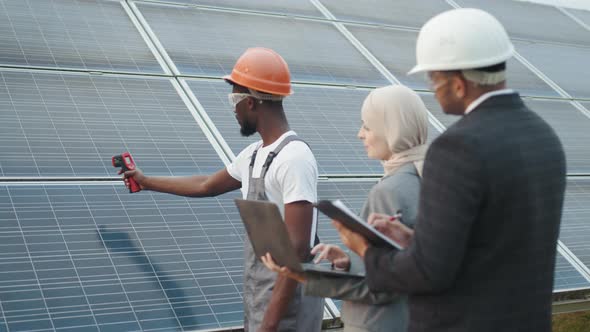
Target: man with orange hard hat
point(279, 168)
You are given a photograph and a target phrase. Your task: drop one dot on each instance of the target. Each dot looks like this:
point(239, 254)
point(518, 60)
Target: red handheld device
point(125, 161)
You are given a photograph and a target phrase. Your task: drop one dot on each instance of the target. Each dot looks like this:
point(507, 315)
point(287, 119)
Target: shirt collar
point(486, 96)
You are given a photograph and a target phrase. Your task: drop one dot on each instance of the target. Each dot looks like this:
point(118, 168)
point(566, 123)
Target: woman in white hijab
point(394, 130)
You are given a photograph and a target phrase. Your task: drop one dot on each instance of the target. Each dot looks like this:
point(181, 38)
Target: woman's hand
point(356, 242)
point(284, 271)
point(332, 253)
point(392, 228)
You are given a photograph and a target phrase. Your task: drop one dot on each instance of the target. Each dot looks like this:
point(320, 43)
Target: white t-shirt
point(291, 177)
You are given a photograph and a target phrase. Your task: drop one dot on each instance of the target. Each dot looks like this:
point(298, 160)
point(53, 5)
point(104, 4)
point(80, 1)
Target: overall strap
point(271, 156)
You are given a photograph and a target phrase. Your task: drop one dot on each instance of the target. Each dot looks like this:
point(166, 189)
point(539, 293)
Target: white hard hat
point(459, 39)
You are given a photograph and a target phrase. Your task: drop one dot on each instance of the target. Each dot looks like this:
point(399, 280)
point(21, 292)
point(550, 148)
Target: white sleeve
point(298, 174)
point(241, 164)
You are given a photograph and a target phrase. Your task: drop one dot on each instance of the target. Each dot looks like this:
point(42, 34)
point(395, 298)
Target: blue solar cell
point(87, 35)
point(168, 262)
point(72, 124)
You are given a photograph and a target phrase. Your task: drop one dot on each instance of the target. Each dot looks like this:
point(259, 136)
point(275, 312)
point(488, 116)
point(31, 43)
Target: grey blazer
point(362, 309)
point(483, 254)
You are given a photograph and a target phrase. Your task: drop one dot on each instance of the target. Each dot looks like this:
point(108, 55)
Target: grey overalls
point(305, 313)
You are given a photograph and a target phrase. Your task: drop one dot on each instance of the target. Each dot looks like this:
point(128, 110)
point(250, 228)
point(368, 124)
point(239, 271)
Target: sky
point(578, 4)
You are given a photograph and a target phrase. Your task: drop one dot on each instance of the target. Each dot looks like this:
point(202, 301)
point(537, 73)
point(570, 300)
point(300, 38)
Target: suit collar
point(474, 104)
point(497, 101)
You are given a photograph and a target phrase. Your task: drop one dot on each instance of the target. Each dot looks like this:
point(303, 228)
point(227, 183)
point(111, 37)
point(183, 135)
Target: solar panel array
point(82, 80)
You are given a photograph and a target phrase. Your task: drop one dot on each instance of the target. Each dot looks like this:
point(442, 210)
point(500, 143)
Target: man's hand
point(392, 228)
point(284, 271)
point(352, 240)
point(333, 254)
point(137, 175)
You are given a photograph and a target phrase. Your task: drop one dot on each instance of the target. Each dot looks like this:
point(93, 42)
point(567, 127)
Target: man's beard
point(247, 130)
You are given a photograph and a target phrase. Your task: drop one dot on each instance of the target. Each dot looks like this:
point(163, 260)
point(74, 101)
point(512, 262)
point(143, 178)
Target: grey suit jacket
point(362, 309)
point(483, 254)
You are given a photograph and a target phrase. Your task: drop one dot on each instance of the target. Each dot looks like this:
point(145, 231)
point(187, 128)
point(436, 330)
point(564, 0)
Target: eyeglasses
point(236, 98)
point(434, 86)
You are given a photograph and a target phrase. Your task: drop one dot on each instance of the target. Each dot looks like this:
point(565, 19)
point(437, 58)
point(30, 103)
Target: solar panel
point(327, 118)
point(575, 229)
point(525, 20)
point(289, 7)
point(54, 124)
point(396, 49)
point(89, 35)
point(353, 194)
point(92, 257)
point(567, 277)
point(569, 71)
point(571, 127)
point(208, 42)
point(397, 12)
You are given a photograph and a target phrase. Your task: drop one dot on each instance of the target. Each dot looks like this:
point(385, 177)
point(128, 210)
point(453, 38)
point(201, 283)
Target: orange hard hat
point(263, 70)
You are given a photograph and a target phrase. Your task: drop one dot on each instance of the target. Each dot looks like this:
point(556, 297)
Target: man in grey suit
point(482, 255)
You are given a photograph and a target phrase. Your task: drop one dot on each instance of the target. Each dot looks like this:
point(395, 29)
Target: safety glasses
point(235, 98)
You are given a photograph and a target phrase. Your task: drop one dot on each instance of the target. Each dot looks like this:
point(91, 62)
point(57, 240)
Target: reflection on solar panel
point(571, 127)
point(575, 229)
point(567, 70)
point(94, 257)
point(89, 34)
point(207, 42)
point(567, 277)
point(396, 12)
point(291, 7)
point(71, 124)
point(525, 20)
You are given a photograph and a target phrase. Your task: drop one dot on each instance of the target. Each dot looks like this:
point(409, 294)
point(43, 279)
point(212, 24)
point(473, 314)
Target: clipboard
point(267, 233)
point(339, 211)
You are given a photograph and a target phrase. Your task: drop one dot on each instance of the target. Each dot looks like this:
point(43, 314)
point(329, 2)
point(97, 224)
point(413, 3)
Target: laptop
point(267, 233)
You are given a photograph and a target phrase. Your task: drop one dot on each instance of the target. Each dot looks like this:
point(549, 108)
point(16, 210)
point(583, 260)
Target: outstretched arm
point(192, 186)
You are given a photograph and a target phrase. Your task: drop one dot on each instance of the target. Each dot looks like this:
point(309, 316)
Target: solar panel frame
point(93, 35)
point(323, 54)
point(70, 124)
point(284, 7)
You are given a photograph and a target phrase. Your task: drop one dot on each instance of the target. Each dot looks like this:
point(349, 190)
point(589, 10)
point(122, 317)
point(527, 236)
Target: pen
point(396, 216)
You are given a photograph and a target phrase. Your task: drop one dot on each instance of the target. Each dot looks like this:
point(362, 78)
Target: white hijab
point(398, 115)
